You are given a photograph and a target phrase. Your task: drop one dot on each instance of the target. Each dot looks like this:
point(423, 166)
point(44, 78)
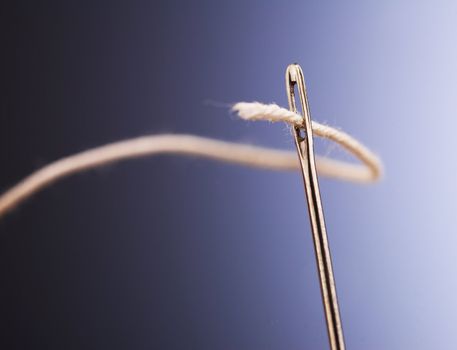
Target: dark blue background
point(174, 253)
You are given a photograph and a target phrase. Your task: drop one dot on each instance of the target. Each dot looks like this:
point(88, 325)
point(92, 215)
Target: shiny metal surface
point(303, 136)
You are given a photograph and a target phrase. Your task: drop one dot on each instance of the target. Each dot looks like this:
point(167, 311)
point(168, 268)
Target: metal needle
point(305, 149)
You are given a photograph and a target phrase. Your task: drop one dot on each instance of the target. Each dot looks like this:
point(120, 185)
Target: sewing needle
point(305, 149)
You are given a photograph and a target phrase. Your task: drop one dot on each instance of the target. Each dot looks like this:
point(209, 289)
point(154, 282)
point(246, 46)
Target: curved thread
point(231, 152)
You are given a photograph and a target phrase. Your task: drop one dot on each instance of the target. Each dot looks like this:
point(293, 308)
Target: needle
point(303, 136)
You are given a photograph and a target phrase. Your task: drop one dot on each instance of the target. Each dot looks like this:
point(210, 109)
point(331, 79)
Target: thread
point(253, 111)
point(231, 152)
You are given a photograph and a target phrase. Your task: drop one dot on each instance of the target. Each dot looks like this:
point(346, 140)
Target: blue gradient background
point(176, 253)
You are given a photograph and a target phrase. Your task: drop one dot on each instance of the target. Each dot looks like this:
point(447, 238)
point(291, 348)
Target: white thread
point(274, 113)
point(247, 155)
point(270, 112)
